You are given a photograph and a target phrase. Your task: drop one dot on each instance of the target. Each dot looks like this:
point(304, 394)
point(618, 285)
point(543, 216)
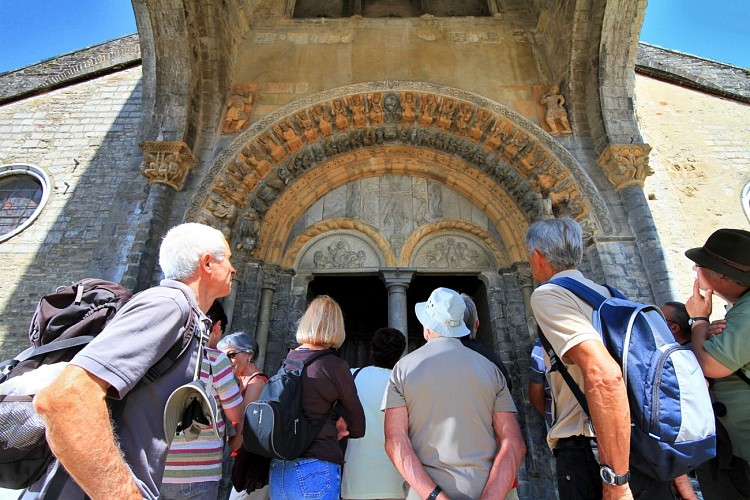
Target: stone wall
point(85, 138)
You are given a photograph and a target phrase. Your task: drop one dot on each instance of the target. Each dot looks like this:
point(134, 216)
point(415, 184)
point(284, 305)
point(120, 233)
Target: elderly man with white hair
point(450, 423)
point(105, 428)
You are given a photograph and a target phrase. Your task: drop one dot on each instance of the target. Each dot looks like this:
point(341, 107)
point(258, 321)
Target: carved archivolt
point(166, 162)
point(441, 253)
point(270, 158)
point(626, 164)
point(301, 243)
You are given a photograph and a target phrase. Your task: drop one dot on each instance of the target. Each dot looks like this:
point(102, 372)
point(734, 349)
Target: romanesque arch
point(270, 175)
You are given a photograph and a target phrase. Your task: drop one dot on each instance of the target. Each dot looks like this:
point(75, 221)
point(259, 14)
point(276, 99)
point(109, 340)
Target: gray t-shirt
point(451, 393)
point(139, 336)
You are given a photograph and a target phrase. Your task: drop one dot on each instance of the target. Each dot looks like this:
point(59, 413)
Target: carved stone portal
point(340, 250)
point(166, 162)
point(626, 164)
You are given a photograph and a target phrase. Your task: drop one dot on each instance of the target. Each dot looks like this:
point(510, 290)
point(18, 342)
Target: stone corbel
point(166, 162)
point(626, 164)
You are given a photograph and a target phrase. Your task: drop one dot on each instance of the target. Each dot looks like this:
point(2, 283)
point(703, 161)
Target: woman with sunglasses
point(242, 351)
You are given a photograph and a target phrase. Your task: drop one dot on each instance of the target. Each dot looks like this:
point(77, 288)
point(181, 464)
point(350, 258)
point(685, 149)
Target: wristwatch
point(435, 493)
point(693, 321)
point(609, 476)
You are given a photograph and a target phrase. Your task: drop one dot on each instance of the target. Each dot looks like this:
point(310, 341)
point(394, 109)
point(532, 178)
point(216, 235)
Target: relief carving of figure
point(261, 166)
point(553, 101)
point(463, 117)
point(341, 119)
point(452, 255)
point(248, 232)
point(308, 127)
point(323, 119)
point(221, 209)
point(239, 108)
point(447, 108)
point(357, 105)
point(376, 108)
point(339, 256)
point(436, 200)
point(408, 104)
point(428, 106)
point(480, 125)
point(286, 130)
point(274, 149)
point(498, 135)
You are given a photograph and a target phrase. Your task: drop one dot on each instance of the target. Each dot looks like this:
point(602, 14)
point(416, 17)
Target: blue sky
point(34, 30)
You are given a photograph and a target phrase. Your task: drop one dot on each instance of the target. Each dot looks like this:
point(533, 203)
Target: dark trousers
point(724, 479)
point(578, 474)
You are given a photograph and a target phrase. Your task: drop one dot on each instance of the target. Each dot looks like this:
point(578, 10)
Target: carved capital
point(626, 164)
point(271, 275)
point(166, 162)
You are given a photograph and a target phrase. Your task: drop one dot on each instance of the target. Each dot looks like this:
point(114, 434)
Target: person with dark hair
point(218, 323)
point(678, 320)
point(368, 472)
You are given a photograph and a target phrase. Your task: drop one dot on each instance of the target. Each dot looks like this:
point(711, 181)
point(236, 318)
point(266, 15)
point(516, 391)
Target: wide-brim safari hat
point(192, 408)
point(726, 251)
point(443, 313)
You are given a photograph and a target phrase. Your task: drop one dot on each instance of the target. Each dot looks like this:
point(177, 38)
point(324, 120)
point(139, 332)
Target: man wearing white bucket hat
point(450, 424)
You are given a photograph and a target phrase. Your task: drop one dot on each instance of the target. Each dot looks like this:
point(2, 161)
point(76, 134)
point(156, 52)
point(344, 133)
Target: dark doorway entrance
point(364, 301)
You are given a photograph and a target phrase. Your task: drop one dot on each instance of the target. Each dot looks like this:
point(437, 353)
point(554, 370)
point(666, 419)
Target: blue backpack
point(672, 425)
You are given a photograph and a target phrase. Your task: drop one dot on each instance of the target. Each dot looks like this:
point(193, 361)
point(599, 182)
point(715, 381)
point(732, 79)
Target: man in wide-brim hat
point(722, 265)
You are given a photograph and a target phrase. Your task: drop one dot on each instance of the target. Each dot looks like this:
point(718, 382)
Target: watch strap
point(435, 493)
point(613, 479)
point(695, 319)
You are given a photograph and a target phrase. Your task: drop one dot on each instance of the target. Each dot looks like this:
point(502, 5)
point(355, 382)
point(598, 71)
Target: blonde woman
point(327, 380)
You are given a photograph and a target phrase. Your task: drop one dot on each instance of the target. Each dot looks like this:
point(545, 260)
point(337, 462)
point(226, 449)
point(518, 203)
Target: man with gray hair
point(450, 423)
point(555, 249)
point(124, 457)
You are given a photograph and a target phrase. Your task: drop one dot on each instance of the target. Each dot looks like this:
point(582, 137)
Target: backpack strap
point(356, 372)
point(556, 364)
point(174, 353)
point(742, 376)
point(589, 295)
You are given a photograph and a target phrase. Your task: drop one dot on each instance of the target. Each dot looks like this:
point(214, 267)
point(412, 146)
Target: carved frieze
point(626, 164)
point(166, 162)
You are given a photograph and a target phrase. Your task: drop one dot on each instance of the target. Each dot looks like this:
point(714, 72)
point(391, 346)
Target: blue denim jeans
point(189, 491)
point(305, 478)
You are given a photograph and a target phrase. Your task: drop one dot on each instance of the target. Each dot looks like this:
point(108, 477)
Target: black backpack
point(275, 425)
point(63, 323)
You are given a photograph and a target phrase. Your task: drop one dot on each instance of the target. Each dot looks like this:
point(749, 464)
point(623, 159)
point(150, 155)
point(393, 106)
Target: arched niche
point(500, 160)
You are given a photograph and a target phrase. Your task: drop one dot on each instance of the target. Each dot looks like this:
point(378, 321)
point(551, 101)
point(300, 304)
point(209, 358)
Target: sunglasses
point(231, 355)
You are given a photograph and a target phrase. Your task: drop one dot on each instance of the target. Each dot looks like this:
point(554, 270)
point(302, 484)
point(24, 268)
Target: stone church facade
point(368, 150)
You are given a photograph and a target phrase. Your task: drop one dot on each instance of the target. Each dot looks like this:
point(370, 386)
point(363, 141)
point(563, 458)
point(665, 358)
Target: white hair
point(184, 245)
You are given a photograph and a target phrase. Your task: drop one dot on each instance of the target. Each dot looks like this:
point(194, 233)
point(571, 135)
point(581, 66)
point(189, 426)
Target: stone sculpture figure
point(239, 107)
point(555, 113)
point(323, 119)
point(308, 127)
point(408, 103)
point(357, 105)
point(376, 108)
point(341, 119)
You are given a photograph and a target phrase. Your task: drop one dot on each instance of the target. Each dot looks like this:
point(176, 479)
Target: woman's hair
point(322, 323)
point(560, 241)
point(470, 315)
point(184, 245)
point(239, 342)
point(388, 345)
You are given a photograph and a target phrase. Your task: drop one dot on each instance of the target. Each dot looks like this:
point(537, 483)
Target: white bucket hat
point(192, 418)
point(443, 313)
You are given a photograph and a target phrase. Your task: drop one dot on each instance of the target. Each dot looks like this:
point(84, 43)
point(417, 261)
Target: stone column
point(626, 167)
point(397, 283)
point(270, 281)
point(166, 165)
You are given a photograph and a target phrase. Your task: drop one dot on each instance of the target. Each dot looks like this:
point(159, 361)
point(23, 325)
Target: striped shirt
point(200, 460)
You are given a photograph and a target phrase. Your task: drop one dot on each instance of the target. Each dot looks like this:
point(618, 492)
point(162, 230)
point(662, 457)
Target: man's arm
point(80, 434)
point(400, 451)
point(536, 398)
point(608, 406)
point(701, 306)
point(510, 452)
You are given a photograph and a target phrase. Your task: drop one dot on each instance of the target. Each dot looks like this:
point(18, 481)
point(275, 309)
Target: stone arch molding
point(265, 180)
